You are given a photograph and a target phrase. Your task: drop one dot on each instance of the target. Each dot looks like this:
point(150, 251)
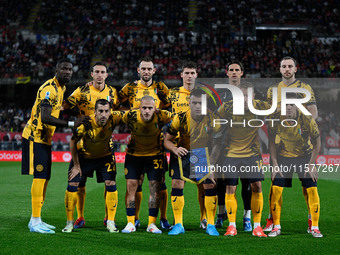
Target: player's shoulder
point(275, 85)
point(175, 89)
point(301, 84)
point(160, 85)
point(132, 84)
point(83, 88)
point(132, 114)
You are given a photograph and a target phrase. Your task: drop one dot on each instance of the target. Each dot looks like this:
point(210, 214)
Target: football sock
point(200, 197)
point(153, 212)
point(138, 200)
point(210, 203)
point(163, 206)
point(247, 214)
point(81, 195)
point(111, 202)
point(305, 195)
point(256, 224)
point(257, 206)
point(177, 202)
point(246, 194)
point(314, 205)
point(45, 188)
point(37, 195)
point(270, 198)
point(275, 205)
point(70, 201)
point(130, 213)
point(231, 205)
point(277, 226)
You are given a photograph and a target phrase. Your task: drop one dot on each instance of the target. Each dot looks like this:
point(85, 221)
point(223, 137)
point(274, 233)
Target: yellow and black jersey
point(85, 97)
point(95, 139)
point(294, 141)
point(50, 94)
point(295, 84)
point(193, 134)
point(134, 92)
point(242, 139)
point(179, 98)
point(146, 138)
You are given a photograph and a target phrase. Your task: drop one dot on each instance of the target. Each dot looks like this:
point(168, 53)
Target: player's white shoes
point(43, 223)
point(152, 228)
point(69, 227)
point(316, 233)
point(129, 228)
point(275, 232)
point(40, 228)
point(111, 226)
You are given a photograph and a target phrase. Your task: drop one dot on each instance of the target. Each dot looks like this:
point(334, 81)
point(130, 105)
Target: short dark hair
point(189, 64)
point(237, 63)
point(101, 102)
point(63, 60)
point(246, 85)
point(145, 59)
point(288, 58)
point(197, 93)
point(99, 63)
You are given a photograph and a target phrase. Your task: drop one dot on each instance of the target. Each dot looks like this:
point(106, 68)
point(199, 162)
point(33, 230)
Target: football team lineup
point(154, 109)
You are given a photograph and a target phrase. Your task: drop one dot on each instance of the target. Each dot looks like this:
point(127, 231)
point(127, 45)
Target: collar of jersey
point(143, 86)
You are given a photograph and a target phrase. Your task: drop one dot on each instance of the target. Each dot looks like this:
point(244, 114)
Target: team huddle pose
point(160, 120)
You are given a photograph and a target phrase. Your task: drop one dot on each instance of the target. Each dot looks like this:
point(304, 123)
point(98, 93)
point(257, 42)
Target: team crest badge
point(39, 168)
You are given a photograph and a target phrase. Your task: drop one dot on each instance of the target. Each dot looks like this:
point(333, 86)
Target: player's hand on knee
point(180, 151)
point(75, 170)
point(312, 171)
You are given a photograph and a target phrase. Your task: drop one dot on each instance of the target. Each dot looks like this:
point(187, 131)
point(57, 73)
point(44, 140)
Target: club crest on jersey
point(146, 93)
point(47, 95)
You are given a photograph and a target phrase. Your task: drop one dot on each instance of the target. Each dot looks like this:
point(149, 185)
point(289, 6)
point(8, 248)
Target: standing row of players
point(91, 149)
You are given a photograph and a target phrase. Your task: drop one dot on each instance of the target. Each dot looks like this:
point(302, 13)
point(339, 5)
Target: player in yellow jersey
point(83, 101)
point(132, 93)
point(195, 131)
point(234, 71)
point(90, 149)
point(145, 155)
point(242, 153)
point(297, 151)
point(179, 99)
point(37, 138)
point(288, 69)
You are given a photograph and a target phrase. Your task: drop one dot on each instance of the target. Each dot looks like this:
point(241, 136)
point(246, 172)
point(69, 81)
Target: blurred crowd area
point(209, 32)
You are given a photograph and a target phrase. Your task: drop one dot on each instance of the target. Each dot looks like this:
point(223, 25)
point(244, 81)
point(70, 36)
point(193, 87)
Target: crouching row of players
point(90, 150)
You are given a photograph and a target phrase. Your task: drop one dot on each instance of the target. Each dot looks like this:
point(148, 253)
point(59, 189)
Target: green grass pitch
point(15, 211)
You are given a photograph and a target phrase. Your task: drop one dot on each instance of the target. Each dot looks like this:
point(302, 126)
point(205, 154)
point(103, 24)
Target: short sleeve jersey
point(146, 138)
point(50, 94)
point(295, 84)
point(134, 92)
point(85, 97)
point(193, 134)
point(94, 139)
point(242, 139)
point(294, 141)
point(179, 98)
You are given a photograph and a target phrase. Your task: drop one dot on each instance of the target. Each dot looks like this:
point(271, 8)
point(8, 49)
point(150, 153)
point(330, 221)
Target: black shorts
point(174, 172)
point(153, 166)
point(290, 165)
point(105, 168)
point(36, 159)
point(244, 168)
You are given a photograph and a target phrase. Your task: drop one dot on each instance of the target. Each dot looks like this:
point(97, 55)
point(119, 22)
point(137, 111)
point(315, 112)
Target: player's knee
point(178, 184)
point(110, 183)
point(256, 187)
